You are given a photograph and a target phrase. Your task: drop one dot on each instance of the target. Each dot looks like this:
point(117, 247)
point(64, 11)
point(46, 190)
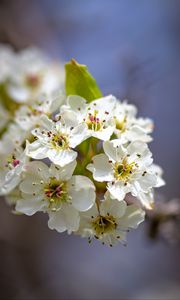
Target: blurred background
point(133, 50)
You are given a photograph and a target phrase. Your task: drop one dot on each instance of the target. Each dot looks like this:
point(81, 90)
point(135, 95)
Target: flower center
point(56, 193)
point(32, 81)
point(59, 140)
point(104, 224)
point(123, 170)
point(93, 122)
point(121, 125)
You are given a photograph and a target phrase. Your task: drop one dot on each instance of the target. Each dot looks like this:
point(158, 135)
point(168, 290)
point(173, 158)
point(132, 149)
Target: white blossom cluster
point(86, 165)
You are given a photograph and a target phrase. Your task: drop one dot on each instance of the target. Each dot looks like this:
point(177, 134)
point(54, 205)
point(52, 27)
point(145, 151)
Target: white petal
point(76, 103)
point(70, 118)
point(46, 122)
point(133, 217)
point(90, 212)
point(159, 172)
point(30, 185)
point(19, 93)
point(160, 182)
point(36, 197)
point(13, 197)
point(29, 207)
point(56, 102)
point(66, 218)
point(104, 134)
point(61, 157)
point(147, 181)
point(78, 135)
point(36, 150)
point(146, 124)
point(37, 132)
point(114, 150)
point(147, 199)
point(9, 185)
point(82, 191)
point(137, 133)
point(111, 239)
point(137, 147)
point(114, 207)
point(37, 169)
point(63, 173)
point(140, 152)
point(101, 168)
point(118, 190)
point(105, 104)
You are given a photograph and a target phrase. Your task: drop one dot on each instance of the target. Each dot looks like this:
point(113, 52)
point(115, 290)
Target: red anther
point(15, 162)
point(48, 194)
point(58, 191)
point(91, 118)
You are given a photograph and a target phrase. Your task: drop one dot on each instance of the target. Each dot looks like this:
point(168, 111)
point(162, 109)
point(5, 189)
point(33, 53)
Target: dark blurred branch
point(164, 221)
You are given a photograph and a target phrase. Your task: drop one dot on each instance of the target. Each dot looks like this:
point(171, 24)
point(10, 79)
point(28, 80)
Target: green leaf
point(80, 82)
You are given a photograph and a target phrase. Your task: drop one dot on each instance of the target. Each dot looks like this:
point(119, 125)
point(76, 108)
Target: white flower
point(28, 116)
point(147, 199)
point(97, 115)
point(11, 168)
point(6, 62)
point(126, 169)
point(55, 141)
point(128, 127)
point(159, 173)
point(14, 137)
point(110, 222)
point(12, 197)
point(54, 190)
point(33, 75)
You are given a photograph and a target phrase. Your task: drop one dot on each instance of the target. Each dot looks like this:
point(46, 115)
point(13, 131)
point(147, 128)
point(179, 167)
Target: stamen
point(123, 170)
point(103, 224)
point(56, 193)
point(16, 162)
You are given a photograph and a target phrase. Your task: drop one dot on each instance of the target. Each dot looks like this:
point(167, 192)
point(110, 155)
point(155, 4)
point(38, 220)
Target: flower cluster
point(86, 164)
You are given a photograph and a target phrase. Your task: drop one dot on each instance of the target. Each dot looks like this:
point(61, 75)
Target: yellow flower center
point(59, 140)
point(56, 193)
point(104, 224)
point(121, 125)
point(93, 122)
point(123, 170)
